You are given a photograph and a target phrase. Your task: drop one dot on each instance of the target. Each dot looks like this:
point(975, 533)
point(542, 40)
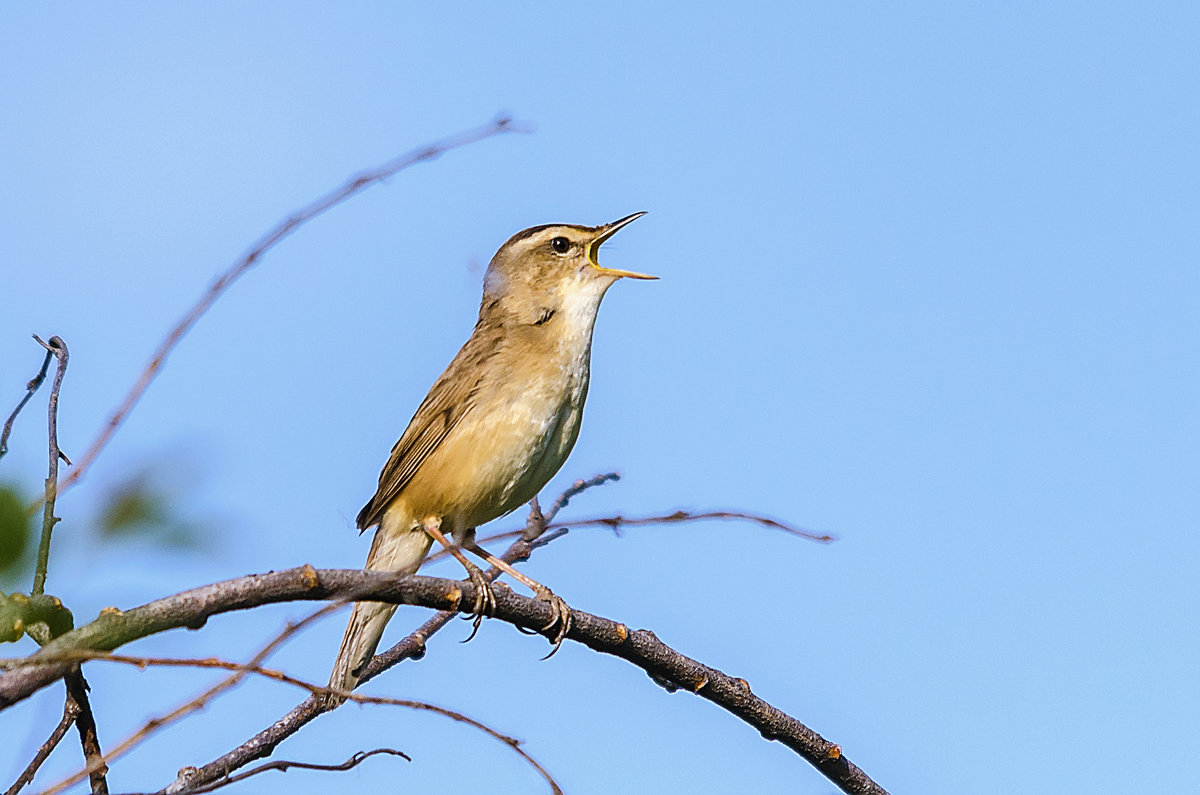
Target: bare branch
point(30, 388)
point(283, 765)
point(70, 710)
point(318, 691)
point(411, 647)
point(641, 647)
point(264, 743)
point(85, 722)
point(617, 522)
point(576, 488)
point(283, 229)
point(59, 348)
point(156, 724)
point(259, 746)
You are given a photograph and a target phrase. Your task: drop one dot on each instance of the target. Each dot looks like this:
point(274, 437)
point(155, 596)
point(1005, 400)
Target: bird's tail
point(399, 552)
point(358, 644)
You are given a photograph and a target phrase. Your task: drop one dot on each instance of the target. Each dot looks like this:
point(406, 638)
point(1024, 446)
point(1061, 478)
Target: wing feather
point(450, 399)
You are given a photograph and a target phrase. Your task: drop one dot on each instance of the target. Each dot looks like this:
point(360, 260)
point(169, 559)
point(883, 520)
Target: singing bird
point(495, 426)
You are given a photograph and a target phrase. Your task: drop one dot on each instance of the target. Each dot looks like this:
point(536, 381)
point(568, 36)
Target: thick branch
point(192, 608)
point(412, 646)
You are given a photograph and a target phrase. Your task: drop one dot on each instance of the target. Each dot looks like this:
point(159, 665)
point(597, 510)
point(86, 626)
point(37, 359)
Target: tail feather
point(401, 552)
point(359, 643)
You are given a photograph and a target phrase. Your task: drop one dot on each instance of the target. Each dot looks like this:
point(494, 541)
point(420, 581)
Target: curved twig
point(283, 765)
point(282, 230)
point(574, 490)
point(30, 388)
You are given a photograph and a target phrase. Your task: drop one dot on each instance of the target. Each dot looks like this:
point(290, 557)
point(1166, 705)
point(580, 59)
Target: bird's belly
point(496, 461)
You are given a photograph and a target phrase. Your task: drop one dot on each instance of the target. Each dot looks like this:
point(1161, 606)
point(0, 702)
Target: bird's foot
point(485, 599)
point(560, 617)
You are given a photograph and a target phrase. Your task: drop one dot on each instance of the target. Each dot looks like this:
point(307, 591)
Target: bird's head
point(551, 270)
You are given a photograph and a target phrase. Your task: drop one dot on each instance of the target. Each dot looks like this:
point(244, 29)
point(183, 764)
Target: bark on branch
point(639, 647)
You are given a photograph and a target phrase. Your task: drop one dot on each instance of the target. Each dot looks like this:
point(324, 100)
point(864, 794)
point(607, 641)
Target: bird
point(497, 424)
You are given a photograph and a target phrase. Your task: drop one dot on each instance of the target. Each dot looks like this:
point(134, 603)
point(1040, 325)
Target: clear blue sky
point(929, 282)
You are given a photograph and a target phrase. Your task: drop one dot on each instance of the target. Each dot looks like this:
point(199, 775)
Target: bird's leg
point(560, 613)
point(485, 598)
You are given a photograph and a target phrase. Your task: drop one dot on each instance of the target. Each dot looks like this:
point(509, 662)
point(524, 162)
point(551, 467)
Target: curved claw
point(478, 619)
point(485, 600)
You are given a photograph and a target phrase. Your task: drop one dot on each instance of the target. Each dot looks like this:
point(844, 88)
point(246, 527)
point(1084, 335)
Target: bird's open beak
point(603, 234)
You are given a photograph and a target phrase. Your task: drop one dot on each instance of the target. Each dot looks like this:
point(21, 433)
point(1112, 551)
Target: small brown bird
point(495, 427)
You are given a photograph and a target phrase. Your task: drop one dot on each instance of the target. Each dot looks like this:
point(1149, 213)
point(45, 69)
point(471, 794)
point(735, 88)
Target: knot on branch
point(308, 576)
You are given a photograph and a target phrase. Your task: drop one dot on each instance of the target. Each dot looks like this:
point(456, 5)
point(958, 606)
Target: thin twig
point(85, 722)
point(70, 710)
point(617, 522)
point(535, 523)
point(154, 725)
point(283, 765)
point(59, 348)
point(30, 388)
point(575, 489)
point(355, 185)
point(317, 691)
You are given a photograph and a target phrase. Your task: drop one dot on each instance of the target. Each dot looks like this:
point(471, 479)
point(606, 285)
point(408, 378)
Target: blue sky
point(929, 282)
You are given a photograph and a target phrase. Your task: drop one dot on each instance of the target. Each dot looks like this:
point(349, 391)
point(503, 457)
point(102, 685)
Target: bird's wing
point(449, 400)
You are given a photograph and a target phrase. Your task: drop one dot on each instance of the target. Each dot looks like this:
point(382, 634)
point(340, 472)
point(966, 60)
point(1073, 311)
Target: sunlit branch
point(412, 646)
point(641, 647)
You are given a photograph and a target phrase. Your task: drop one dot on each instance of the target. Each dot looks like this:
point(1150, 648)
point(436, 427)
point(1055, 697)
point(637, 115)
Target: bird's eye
point(560, 244)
